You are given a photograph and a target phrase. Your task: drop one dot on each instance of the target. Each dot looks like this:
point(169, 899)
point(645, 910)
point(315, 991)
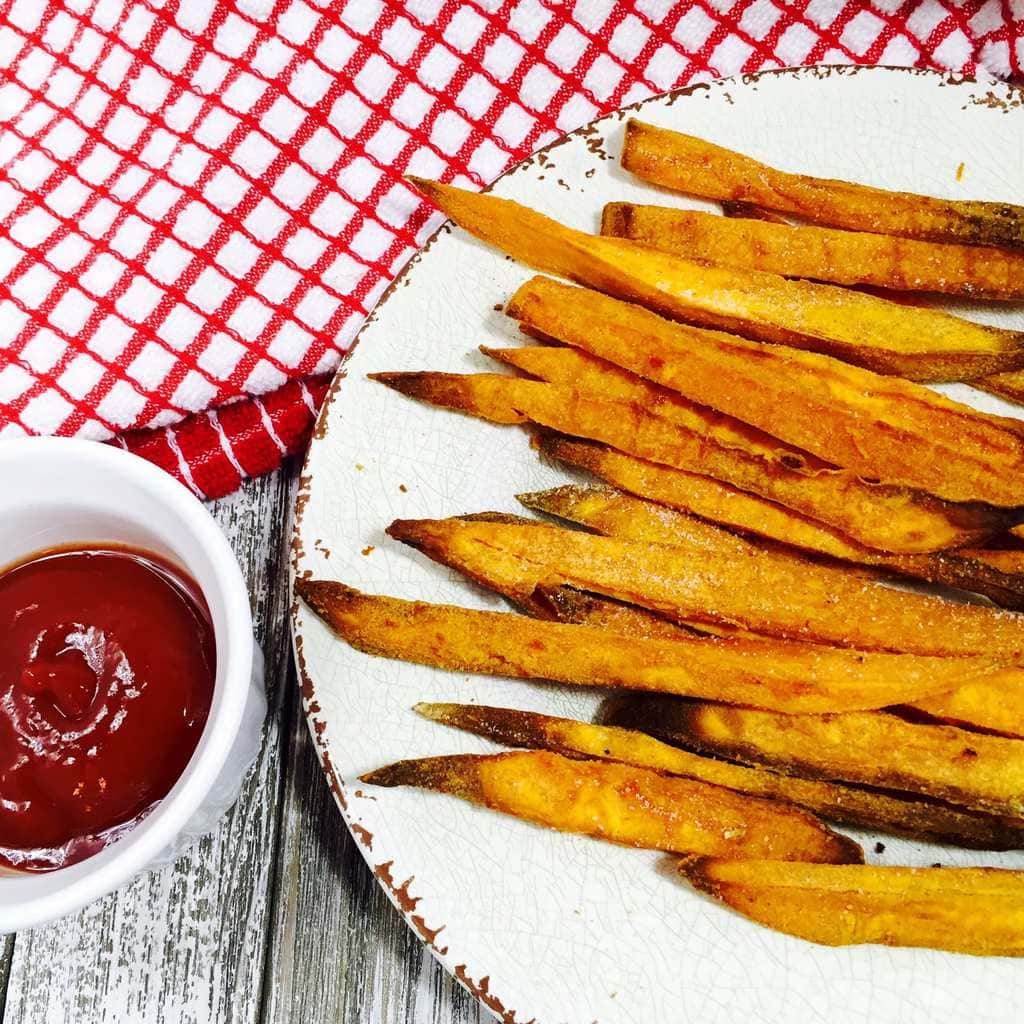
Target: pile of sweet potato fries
point(767, 463)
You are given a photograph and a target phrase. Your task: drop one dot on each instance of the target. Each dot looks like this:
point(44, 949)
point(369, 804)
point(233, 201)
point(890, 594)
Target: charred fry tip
point(396, 774)
point(517, 305)
point(508, 726)
point(558, 499)
point(427, 186)
point(695, 870)
point(561, 446)
point(616, 219)
point(426, 535)
point(542, 501)
point(325, 596)
point(409, 531)
point(977, 519)
point(634, 129)
point(456, 774)
point(479, 719)
point(436, 711)
point(434, 387)
point(424, 772)
point(407, 382)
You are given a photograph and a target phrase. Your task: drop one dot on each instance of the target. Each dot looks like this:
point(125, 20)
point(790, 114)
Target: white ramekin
point(58, 492)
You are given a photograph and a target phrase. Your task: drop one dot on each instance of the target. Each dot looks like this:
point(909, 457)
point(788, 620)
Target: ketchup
point(107, 665)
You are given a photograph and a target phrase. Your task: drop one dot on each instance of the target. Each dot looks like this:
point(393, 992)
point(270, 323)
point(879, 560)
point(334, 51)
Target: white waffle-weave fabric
point(201, 200)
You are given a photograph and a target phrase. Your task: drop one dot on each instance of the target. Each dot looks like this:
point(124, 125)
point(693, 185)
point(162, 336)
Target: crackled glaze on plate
point(544, 926)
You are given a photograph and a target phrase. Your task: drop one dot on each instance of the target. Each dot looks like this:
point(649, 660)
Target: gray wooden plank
point(184, 945)
point(6, 955)
point(339, 950)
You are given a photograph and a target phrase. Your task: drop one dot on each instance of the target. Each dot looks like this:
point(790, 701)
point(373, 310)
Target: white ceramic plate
point(541, 925)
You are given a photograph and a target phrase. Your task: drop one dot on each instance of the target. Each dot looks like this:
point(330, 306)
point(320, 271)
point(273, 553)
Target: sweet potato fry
point(565, 366)
point(887, 518)
point(700, 168)
point(616, 514)
point(993, 704)
point(822, 254)
point(881, 427)
point(699, 495)
point(975, 770)
point(600, 379)
point(625, 804)
point(890, 337)
point(712, 500)
point(621, 515)
point(798, 678)
point(574, 368)
point(517, 581)
point(964, 910)
point(847, 805)
point(702, 580)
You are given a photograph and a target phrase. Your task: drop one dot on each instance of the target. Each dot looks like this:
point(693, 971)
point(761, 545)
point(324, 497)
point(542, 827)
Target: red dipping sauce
point(107, 665)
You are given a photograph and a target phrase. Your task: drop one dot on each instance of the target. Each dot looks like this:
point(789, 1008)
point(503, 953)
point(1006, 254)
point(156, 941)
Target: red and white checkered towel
point(201, 199)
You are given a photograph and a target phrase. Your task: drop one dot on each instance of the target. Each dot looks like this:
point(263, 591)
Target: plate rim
point(478, 985)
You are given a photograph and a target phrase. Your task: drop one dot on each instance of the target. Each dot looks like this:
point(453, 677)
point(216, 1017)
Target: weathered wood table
point(275, 917)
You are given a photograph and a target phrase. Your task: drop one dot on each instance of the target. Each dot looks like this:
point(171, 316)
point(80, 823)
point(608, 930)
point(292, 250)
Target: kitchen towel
point(201, 200)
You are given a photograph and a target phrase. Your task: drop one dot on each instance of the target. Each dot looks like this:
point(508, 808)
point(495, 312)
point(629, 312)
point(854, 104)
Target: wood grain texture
point(184, 945)
point(6, 955)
